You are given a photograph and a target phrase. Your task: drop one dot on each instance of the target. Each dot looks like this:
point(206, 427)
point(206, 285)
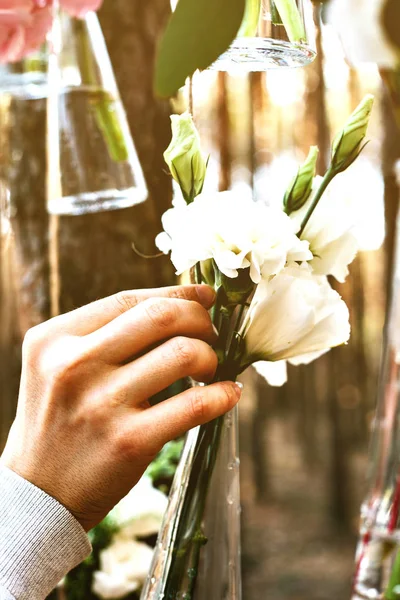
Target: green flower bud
point(184, 157)
point(237, 290)
point(348, 144)
point(300, 189)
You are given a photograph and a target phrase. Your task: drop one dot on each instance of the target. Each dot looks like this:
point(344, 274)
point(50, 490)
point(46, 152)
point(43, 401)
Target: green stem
point(251, 19)
point(329, 175)
point(291, 19)
point(103, 103)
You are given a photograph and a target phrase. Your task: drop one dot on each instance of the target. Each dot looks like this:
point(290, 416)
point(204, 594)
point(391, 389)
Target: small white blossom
point(141, 512)
point(124, 566)
point(361, 29)
point(294, 315)
point(234, 231)
point(332, 230)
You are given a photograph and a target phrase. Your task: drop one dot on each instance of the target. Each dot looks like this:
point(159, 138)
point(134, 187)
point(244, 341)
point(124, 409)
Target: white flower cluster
point(234, 231)
point(124, 564)
point(280, 255)
point(295, 313)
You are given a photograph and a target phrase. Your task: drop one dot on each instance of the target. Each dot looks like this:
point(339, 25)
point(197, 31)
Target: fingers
point(87, 319)
point(135, 383)
point(172, 418)
point(148, 324)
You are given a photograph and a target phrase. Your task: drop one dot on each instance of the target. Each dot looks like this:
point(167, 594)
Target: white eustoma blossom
point(124, 566)
point(234, 231)
point(332, 229)
point(360, 26)
point(141, 512)
point(275, 373)
point(295, 316)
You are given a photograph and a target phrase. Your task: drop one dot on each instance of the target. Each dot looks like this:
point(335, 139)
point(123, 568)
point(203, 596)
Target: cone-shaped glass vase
point(92, 161)
point(377, 573)
point(274, 33)
point(197, 556)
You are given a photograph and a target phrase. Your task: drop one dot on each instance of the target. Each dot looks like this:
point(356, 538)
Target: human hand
point(85, 431)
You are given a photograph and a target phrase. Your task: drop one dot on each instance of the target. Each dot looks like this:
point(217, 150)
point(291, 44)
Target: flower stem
point(291, 19)
point(189, 538)
point(102, 102)
point(329, 175)
point(251, 18)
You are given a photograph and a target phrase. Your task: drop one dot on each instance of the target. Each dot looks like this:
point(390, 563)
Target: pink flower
point(78, 8)
point(24, 24)
point(23, 27)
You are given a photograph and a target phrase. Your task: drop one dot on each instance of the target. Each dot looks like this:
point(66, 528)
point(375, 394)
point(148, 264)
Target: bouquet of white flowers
point(269, 266)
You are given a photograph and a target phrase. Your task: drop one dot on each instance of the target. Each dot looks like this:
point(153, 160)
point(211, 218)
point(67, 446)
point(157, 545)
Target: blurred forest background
point(304, 447)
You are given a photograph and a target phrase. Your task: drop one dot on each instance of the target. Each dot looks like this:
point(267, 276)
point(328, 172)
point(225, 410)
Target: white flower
point(234, 231)
point(141, 512)
point(275, 373)
point(361, 29)
point(294, 316)
point(332, 228)
point(124, 567)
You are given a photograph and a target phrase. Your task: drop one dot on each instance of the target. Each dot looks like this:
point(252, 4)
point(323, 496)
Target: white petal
point(275, 373)
point(164, 243)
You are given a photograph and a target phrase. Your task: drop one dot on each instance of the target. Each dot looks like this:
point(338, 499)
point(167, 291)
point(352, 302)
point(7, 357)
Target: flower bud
point(184, 157)
point(349, 142)
point(300, 189)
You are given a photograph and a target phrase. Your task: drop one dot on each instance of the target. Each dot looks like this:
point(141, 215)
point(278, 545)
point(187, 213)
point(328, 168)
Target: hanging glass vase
point(274, 33)
point(197, 556)
point(92, 162)
point(377, 573)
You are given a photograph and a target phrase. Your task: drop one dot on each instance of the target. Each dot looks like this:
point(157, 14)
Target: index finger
point(91, 317)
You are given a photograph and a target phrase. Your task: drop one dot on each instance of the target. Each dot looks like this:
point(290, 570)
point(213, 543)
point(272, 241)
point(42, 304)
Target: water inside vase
point(92, 161)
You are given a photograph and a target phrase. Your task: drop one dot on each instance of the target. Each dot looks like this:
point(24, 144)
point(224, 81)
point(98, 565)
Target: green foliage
point(199, 31)
point(164, 466)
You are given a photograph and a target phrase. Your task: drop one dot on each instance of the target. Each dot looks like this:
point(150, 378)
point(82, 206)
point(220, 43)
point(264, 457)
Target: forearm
point(40, 540)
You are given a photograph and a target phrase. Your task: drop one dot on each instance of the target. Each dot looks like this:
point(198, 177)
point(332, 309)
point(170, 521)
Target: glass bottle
point(211, 568)
point(274, 33)
point(377, 572)
point(92, 162)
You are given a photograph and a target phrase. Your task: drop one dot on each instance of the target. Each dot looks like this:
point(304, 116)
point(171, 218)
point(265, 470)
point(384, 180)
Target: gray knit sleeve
point(40, 540)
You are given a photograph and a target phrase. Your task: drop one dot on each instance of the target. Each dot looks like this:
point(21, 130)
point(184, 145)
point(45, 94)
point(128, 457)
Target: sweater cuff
point(40, 540)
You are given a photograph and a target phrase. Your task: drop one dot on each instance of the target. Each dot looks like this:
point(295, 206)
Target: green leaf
point(199, 31)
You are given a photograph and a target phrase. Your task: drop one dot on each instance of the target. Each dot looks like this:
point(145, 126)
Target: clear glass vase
point(274, 33)
point(377, 573)
point(92, 162)
point(197, 556)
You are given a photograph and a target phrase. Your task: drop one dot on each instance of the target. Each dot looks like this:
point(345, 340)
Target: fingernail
point(238, 389)
point(206, 295)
